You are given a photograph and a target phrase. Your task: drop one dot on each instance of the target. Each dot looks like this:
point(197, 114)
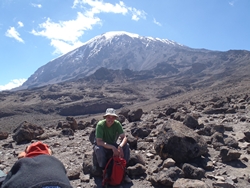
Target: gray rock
point(190, 183)
point(179, 142)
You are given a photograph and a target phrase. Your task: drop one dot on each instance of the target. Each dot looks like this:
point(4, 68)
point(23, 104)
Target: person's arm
point(123, 139)
point(100, 142)
point(123, 142)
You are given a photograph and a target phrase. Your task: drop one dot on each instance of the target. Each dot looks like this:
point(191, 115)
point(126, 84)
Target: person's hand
point(21, 155)
point(115, 151)
point(120, 150)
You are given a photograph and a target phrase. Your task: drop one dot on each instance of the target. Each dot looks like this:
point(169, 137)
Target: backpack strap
point(105, 179)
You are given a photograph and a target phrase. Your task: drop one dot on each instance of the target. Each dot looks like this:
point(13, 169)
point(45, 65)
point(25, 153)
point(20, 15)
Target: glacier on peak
point(97, 42)
point(112, 34)
point(108, 36)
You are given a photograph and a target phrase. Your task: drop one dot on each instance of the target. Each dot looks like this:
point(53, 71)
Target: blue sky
point(33, 32)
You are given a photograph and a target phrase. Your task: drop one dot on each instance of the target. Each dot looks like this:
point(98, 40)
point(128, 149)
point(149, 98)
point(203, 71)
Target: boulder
point(140, 132)
point(3, 135)
point(179, 142)
point(231, 142)
point(193, 172)
point(83, 124)
point(247, 136)
point(135, 115)
point(124, 112)
point(67, 132)
point(69, 123)
point(136, 170)
point(26, 132)
point(228, 155)
point(191, 122)
point(170, 110)
point(217, 140)
point(210, 129)
point(92, 137)
point(72, 122)
point(166, 177)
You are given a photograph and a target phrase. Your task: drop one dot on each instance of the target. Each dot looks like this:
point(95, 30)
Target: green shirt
point(108, 134)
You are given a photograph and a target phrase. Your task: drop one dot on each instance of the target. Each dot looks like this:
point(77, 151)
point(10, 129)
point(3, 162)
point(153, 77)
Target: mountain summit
point(113, 50)
point(122, 50)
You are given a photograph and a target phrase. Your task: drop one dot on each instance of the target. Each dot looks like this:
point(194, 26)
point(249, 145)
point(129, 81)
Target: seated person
point(36, 168)
point(107, 133)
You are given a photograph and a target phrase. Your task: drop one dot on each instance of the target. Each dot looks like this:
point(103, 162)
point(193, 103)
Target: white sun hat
point(110, 112)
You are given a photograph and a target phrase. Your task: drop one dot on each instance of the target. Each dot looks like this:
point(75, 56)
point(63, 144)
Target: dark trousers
point(103, 154)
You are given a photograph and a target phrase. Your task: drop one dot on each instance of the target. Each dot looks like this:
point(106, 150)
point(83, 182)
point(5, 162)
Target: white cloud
point(12, 33)
point(58, 32)
point(157, 23)
point(232, 3)
point(64, 47)
point(12, 84)
point(20, 24)
point(102, 7)
point(99, 6)
point(36, 5)
point(137, 14)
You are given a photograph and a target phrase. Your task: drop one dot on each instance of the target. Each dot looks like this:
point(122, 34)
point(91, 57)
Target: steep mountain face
point(113, 50)
point(122, 50)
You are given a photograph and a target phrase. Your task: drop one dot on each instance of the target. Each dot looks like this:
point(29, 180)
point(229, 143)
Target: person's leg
point(101, 156)
point(126, 152)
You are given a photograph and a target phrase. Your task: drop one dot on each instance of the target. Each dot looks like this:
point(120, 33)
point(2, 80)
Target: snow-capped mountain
point(119, 51)
point(113, 50)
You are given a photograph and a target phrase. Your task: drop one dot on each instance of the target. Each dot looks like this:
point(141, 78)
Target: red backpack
point(117, 171)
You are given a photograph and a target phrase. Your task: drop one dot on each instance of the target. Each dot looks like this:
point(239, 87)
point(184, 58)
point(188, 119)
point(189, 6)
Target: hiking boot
point(127, 179)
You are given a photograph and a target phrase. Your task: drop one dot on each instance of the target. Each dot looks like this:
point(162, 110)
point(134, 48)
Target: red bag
point(118, 171)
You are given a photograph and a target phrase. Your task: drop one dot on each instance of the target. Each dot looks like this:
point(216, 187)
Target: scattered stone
point(136, 170)
point(3, 135)
point(191, 122)
point(135, 115)
point(184, 183)
point(223, 184)
point(164, 152)
point(229, 154)
point(169, 162)
point(193, 172)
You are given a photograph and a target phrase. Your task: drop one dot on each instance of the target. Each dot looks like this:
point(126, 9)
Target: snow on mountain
point(113, 50)
point(109, 36)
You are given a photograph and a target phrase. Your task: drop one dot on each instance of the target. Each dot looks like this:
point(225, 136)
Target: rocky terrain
point(179, 136)
point(186, 113)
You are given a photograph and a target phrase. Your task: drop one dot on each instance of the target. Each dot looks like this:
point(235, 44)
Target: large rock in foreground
point(26, 132)
point(179, 142)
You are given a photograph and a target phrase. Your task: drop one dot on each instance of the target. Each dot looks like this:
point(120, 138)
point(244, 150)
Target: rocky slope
point(211, 124)
point(189, 127)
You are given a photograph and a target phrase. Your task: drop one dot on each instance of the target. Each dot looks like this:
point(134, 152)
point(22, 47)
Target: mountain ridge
point(123, 50)
point(124, 53)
